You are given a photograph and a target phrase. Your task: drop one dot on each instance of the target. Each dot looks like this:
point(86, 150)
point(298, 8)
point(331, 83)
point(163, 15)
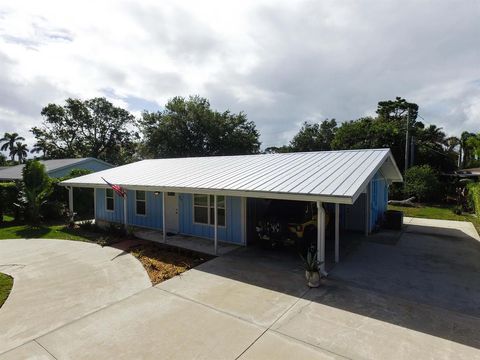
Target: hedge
point(474, 196)
point(8, 197)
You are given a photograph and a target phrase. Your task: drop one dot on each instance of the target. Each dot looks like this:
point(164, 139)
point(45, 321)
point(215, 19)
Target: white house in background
point(56, 168)
point(215, 197)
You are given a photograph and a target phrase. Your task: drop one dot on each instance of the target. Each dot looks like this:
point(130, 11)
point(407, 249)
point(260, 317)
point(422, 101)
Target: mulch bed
point(163, 262)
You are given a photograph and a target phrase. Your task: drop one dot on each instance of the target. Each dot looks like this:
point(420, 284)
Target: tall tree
point(397, 110)
point(9, 140)
point(20, 151)
point(189, 127)
point(314, 137)
point(466, 150)
point(473, 142)
point(42, 146)
point(92, 128)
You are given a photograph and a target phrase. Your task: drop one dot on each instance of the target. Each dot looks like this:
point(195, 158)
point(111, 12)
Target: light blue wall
point(378, 200)
point(152, 219)
point(91, 165)
point(102, 213)
point(232, 232)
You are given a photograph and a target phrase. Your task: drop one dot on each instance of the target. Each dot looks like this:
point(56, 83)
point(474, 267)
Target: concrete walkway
point(381, 302)
point(59, 281)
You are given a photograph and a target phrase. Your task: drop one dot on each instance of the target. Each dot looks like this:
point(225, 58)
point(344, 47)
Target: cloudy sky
point(282, 62)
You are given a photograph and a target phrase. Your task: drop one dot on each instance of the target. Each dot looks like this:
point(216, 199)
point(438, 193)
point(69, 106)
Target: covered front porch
point(205, 246)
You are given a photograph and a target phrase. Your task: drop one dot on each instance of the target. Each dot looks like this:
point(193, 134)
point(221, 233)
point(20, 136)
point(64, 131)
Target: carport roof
point(332, 176)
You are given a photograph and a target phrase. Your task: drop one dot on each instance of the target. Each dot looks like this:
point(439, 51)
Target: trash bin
point(393, 219)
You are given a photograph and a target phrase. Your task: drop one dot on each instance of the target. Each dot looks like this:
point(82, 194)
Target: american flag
point(117, 188)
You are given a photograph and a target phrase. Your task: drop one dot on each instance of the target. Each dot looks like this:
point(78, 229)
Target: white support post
point(95, 203)
point(337, 233)
point(321, 236)
point(125, 215)
point(367, 209)
point(70, 203)
point(244, 220)
point(164, 226)
point(216, 224)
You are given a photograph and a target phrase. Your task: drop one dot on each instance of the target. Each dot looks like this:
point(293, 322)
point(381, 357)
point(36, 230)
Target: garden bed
point(163, 262)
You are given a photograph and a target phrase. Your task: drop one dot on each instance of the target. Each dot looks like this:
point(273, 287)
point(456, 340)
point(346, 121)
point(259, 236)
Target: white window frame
point(109, 197)
point(210, 204)
point(137, 200)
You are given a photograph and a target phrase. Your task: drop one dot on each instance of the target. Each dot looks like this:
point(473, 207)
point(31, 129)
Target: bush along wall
point(8, 199)
point(474, 196)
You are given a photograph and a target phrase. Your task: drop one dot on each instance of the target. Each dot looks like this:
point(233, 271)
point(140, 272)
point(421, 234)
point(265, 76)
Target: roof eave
point(225, 192)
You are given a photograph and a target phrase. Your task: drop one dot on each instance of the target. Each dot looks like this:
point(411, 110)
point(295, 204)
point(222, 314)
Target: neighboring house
point(56, 168)
point(181, 194)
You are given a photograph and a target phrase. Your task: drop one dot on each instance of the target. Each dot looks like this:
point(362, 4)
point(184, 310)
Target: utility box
point(393, 219)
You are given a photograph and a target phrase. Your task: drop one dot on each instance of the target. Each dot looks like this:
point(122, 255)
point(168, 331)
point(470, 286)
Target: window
point(140, 202)
point(109, 200)
point(204, 209)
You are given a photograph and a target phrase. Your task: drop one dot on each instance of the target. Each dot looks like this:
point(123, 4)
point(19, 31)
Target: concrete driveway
point(59, 281)
point(384, 301)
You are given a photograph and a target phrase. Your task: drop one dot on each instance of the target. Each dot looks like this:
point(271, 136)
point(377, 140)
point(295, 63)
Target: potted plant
point(312, 268)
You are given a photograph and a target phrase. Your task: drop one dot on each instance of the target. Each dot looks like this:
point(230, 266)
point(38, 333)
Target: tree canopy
point(386, 130)
point(189, 127)
point(315, 137)
point(92, 128)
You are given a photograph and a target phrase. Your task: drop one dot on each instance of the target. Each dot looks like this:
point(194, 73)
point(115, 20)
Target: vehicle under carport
point(290, 224)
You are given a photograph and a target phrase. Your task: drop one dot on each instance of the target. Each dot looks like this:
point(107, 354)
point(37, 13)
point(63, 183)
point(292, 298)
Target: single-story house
point(56, 168)
point(212, 197)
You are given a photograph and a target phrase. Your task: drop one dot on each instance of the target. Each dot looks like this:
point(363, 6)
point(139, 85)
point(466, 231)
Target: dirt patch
point(163, 262)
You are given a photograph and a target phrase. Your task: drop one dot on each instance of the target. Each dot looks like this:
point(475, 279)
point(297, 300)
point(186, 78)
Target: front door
point(171, 212)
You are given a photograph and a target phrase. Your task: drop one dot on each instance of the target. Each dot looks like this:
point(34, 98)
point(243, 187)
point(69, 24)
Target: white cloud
point(282, 62)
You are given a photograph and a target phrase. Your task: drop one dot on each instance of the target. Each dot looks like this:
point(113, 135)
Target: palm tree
point(9, 140)
point(452, 143)
point(465, 148)
point(41, 146)
point(20, 150)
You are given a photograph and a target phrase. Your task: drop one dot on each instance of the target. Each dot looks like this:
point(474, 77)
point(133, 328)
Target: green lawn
point(6, 283)
point(442, 212)
point(10, 230)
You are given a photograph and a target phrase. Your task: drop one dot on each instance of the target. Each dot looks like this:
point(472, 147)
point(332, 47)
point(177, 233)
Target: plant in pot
point(312, 268)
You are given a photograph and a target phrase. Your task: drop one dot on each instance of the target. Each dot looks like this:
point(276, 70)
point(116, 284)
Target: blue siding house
point(57, 168)
point(210, 197)
point(180, 217)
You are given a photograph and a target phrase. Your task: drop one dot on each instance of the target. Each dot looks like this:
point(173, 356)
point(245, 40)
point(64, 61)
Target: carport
point(206, 196)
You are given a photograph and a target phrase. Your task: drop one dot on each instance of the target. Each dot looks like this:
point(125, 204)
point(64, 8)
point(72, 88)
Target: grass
point(436, 211)
point(10, 230)
point(6, 283)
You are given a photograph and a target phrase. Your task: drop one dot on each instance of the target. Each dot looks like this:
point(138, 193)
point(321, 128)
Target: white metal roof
point(333, 176)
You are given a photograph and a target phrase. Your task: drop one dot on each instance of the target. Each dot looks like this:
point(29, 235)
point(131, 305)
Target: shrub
point(36, 187)
point(474, 196)
point(90, 226)
point(8, 198)
point(422, 182)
